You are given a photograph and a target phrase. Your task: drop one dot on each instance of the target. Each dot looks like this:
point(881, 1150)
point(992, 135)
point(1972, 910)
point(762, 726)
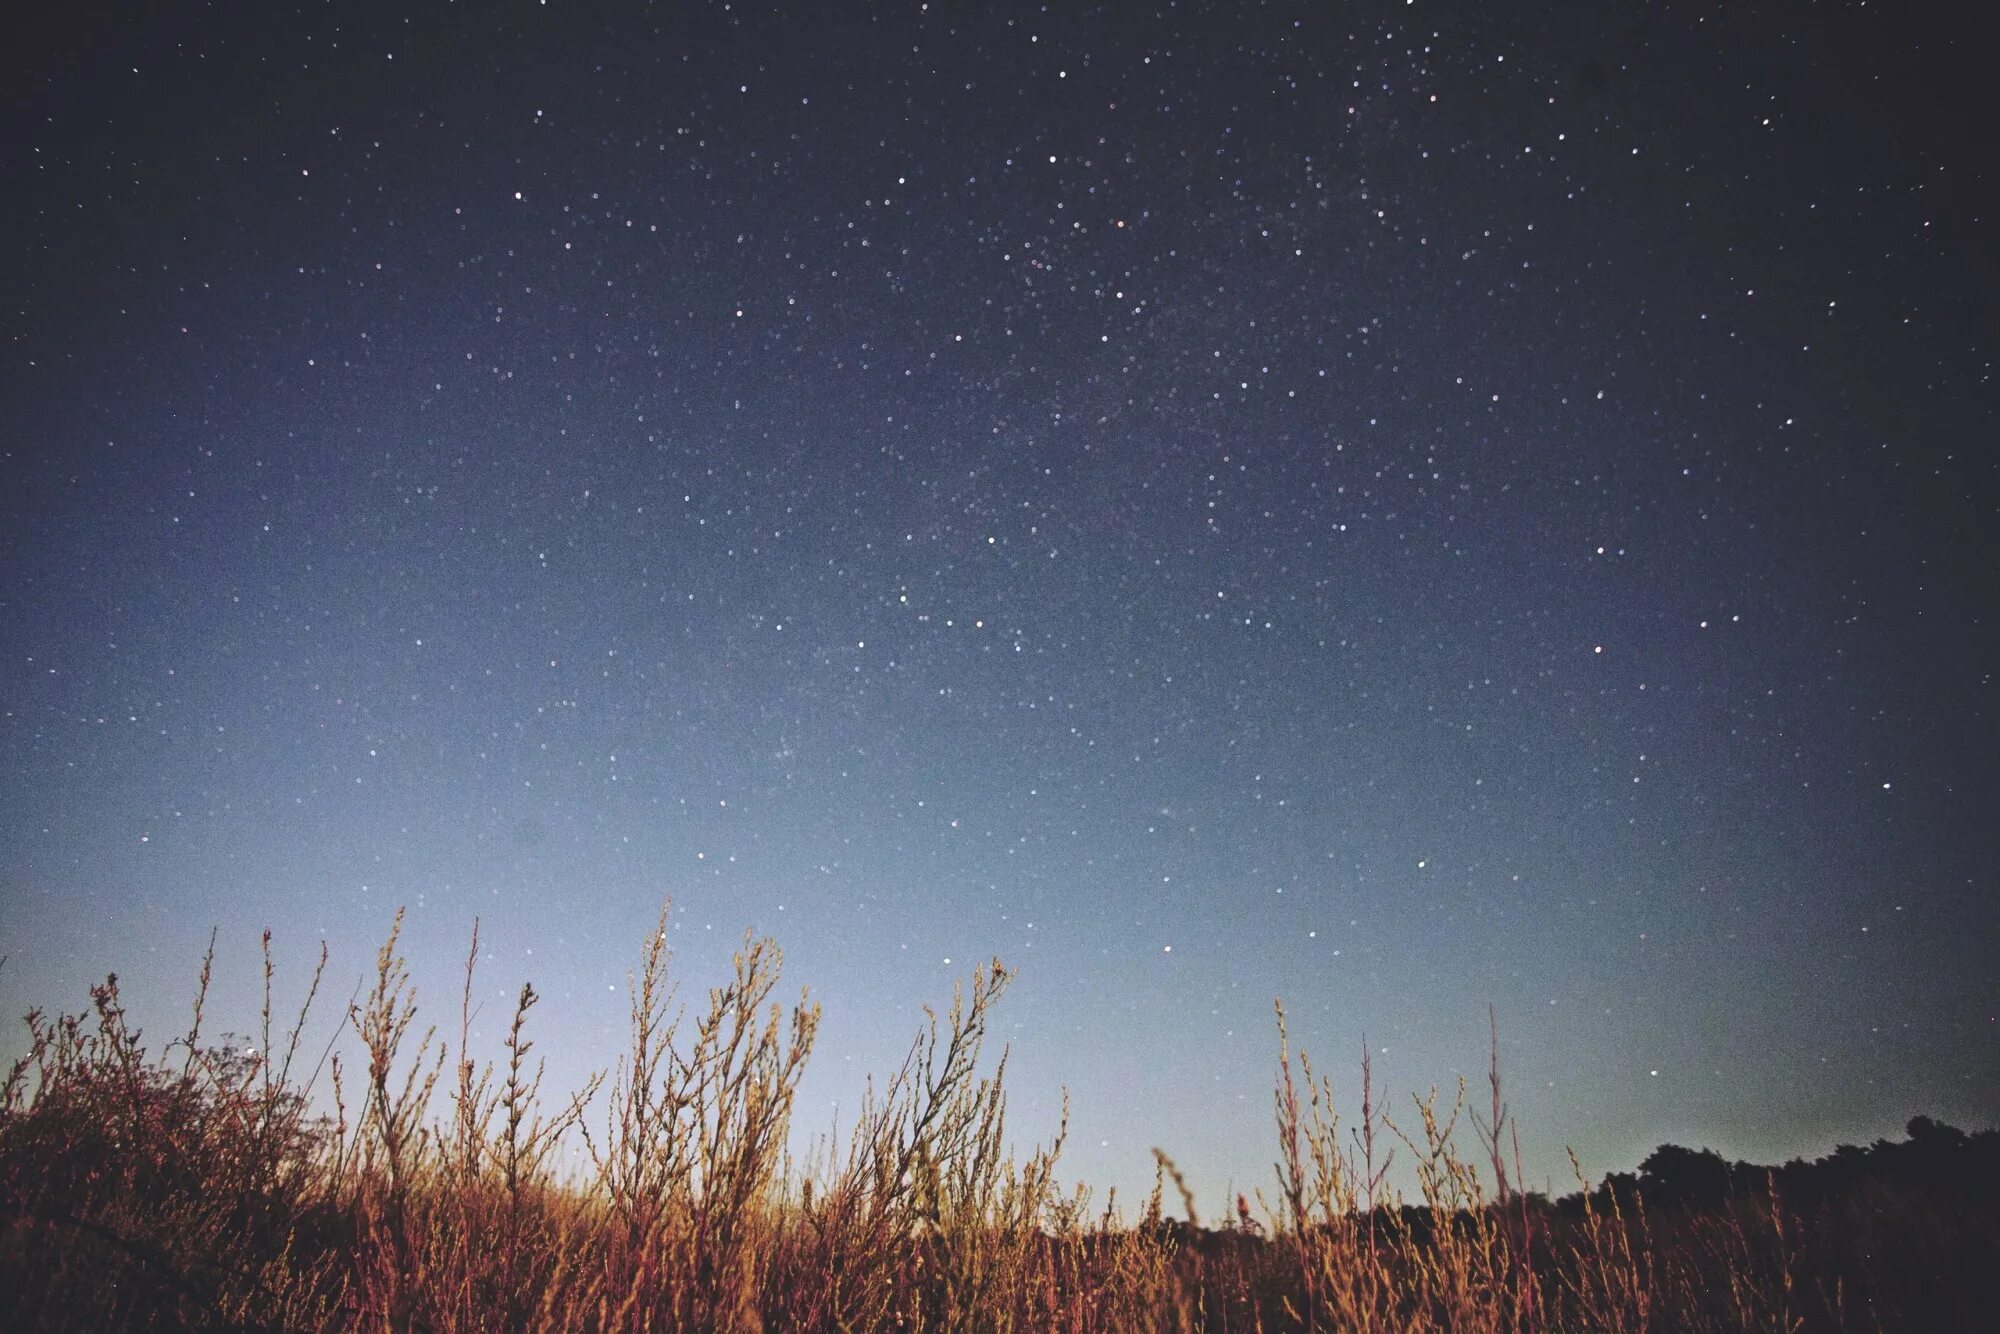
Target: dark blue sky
point(1386, 505)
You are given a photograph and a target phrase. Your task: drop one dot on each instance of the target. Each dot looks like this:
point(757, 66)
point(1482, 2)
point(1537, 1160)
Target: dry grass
point(195, 1188)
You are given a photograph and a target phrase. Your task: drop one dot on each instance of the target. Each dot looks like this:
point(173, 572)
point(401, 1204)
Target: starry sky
point(1398, 506)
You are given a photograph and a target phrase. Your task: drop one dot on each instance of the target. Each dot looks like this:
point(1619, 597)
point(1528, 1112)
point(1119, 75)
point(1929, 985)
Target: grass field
point(198, 1187)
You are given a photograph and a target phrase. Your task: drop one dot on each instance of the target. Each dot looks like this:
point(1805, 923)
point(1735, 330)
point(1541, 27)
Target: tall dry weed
point(198, 1188)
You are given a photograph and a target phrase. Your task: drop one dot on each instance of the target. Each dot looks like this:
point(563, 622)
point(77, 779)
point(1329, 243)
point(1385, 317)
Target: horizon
point(328, 1032)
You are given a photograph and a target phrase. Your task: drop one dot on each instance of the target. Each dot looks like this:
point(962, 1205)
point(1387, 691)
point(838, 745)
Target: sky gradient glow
point(1392, 506)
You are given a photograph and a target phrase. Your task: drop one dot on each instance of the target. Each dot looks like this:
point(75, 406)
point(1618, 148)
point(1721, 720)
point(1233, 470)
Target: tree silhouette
point(1684, 1178)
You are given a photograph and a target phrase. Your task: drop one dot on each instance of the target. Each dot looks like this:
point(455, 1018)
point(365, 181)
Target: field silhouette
point(201, 1187)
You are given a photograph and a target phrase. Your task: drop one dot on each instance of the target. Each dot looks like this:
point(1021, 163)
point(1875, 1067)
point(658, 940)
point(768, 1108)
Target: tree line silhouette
point(1935, 1159)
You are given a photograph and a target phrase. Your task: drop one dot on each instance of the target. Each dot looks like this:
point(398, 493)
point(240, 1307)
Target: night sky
point(1395, 506)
